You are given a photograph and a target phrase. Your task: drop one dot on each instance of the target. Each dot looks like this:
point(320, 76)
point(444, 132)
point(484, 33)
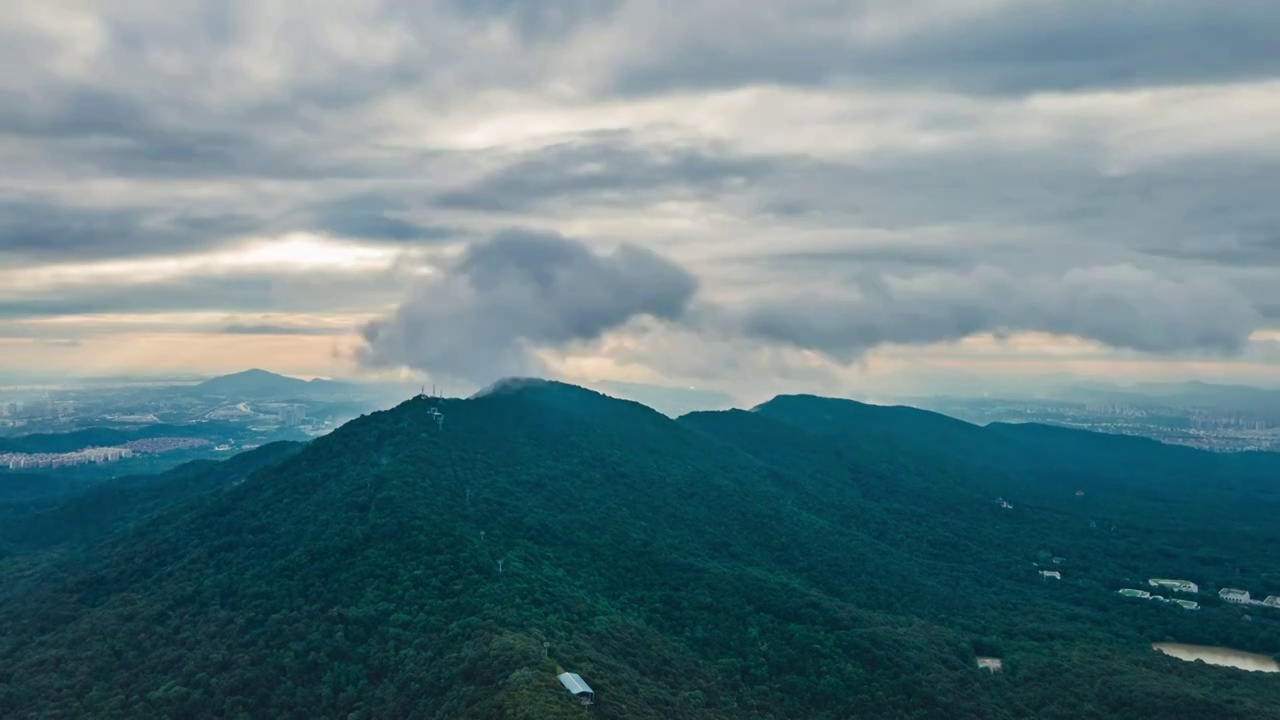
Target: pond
point(1219, 656)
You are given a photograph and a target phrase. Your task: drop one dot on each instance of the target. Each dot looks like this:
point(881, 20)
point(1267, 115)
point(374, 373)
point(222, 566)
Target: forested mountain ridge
point(86, 514)
point(735, 564)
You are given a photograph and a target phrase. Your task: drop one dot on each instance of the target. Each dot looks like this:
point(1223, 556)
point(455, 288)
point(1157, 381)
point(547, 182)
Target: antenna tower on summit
point(434, 411)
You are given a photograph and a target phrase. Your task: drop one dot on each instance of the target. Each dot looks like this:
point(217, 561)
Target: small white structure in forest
point(1185, 586)
point(576, 685)
point(1233, 595)
point(1051, 574)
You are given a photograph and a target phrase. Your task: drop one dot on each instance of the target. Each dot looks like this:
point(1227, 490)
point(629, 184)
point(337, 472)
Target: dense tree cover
point(89, 512)
point(811, 559)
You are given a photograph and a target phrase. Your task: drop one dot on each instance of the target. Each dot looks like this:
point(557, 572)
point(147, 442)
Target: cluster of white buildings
point(1185, 586)
point(1230, 595)
point(1242, 597)
point(21, 461)
point(1144, 595)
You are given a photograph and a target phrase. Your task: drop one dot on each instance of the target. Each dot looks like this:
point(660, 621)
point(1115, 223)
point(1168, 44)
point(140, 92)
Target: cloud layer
point(1119, 306)
point(487, 314)
point(775, 191)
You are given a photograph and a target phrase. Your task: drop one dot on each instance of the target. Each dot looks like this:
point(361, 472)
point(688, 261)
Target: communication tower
point(433, 411)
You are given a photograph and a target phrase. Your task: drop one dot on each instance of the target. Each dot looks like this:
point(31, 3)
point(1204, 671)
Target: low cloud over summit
point(482, 315)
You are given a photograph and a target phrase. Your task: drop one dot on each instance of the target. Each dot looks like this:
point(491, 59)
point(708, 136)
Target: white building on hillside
point(1232, 595)
point(1177, 585)
point(574, 683)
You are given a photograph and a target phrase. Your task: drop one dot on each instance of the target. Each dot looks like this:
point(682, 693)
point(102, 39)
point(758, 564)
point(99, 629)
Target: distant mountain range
point(261, 383)
point(808, 558)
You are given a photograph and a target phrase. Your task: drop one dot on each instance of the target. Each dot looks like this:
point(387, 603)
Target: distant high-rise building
point(293, 416)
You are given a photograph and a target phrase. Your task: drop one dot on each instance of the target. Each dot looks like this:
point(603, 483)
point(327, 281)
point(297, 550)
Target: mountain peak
point(254, 381)
point(561, 396)
point(512, 385)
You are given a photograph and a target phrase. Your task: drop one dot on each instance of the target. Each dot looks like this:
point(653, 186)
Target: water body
point(1219, 656)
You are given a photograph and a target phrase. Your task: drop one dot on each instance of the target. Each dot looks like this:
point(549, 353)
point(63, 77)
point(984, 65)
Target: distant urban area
point(46, 428)
point(1210, 417)
point(100, 455)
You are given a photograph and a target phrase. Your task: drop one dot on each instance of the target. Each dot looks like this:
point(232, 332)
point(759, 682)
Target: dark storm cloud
point(519, 291)
point(1011, 47)
point(607, 168)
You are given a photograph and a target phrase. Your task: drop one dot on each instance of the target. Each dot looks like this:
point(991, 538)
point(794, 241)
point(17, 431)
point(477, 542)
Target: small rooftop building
point(1176, 585)
point(1051, 574)
point(1233, 595)
point(576, 685)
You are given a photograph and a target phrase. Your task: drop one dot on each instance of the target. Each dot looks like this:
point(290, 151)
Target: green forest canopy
point(812, 558)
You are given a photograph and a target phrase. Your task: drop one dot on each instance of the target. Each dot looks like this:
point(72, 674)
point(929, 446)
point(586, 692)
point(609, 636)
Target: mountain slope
point(105, 505)
point(726, 565)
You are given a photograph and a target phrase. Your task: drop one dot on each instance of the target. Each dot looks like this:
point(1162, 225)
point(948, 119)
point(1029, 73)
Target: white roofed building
point(1233, 595)
point(574, 683)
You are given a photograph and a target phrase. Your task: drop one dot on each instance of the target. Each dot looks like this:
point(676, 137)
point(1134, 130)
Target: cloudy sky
point(822, 195)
